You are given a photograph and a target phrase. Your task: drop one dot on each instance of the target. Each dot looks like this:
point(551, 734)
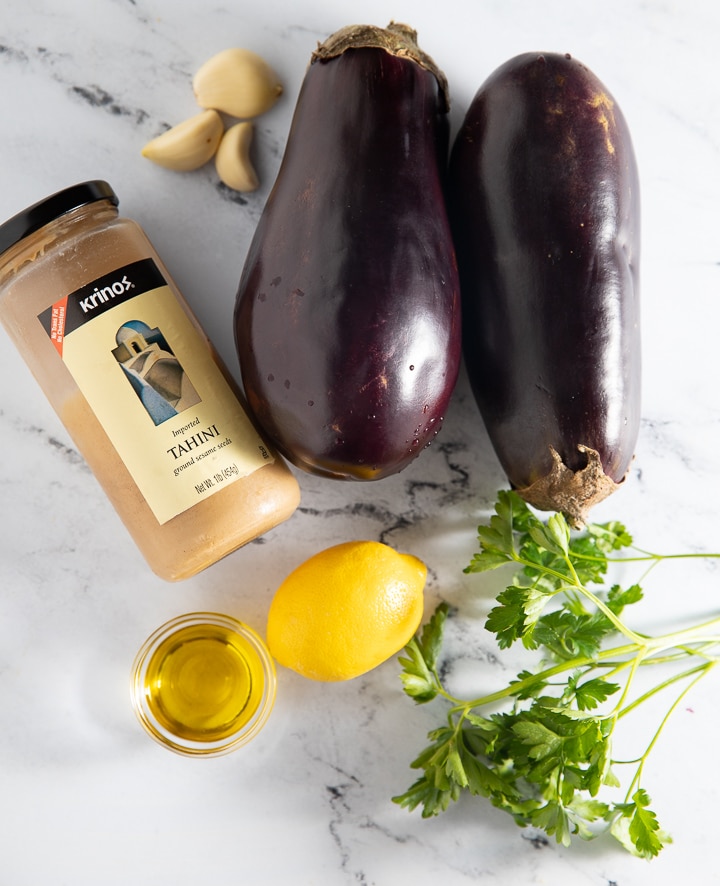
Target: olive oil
point(203, 683)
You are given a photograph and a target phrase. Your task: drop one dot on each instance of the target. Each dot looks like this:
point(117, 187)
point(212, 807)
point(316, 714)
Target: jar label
point(146, 373)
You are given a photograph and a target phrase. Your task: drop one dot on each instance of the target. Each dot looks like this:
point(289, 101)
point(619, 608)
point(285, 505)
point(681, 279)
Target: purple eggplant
point(347, 318)
point(544, 203)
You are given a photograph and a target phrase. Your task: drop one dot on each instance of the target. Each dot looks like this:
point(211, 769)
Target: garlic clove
point(232, 160)
point(188, 145)
point(237, 82)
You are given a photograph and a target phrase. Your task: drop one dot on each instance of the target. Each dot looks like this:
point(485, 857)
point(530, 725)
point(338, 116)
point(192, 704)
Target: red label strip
point(57, 324)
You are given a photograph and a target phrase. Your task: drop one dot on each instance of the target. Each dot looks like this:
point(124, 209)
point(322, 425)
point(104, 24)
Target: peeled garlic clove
point(188, 145)
point(232, 160)
point(237, 82)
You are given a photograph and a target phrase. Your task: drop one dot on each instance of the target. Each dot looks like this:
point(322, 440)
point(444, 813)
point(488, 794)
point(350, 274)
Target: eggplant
point(545, 209)
point(347, 315)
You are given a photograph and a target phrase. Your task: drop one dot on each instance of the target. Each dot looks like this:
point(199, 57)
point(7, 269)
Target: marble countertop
point(85, 796)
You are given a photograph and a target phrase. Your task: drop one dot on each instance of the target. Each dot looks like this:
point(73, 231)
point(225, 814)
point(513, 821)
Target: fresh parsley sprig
point(541, 747)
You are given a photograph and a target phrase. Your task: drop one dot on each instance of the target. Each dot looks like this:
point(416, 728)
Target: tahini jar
point(125, 364)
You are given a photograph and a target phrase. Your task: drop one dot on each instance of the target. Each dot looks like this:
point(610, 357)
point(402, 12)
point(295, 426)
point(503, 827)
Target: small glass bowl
point(203, 684)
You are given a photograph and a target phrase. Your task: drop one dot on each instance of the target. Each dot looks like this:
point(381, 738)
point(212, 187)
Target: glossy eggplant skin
point(544, 202)
point(347, 318)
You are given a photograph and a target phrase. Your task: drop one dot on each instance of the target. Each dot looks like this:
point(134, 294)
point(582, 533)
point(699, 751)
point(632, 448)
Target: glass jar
point(147, 401)
point(203, 684)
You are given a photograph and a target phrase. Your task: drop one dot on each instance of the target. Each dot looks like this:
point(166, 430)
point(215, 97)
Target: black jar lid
point(45, 211)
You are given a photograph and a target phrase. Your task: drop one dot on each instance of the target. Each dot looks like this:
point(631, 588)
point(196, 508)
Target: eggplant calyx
point(397, 39)
point(572, 493)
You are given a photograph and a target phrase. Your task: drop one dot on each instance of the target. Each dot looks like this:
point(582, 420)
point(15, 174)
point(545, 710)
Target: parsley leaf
point(637, 827)
point(418, 676)
point(516, 616)
point(567, 636)
point(541, 747)
point(591, 693)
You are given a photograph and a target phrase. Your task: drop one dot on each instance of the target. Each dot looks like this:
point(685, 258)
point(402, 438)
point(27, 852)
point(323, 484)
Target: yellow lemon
point(346, 610)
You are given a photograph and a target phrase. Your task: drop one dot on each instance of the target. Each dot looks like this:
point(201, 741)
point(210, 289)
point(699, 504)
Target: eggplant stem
point(397, 39)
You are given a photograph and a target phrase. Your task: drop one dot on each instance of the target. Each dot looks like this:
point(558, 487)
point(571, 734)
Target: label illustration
point(153, 371)
point(148, 376)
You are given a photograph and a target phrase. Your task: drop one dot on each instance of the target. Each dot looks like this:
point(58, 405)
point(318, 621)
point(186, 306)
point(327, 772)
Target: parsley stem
point(618, 623)
point(543, 676)
point(688, 635)
point(634, 665)
point(645, 556)
point(700, 672)
point(698, 669)
point(577, 586)
point(649, 555)
point(682, 653)
point(643, 651)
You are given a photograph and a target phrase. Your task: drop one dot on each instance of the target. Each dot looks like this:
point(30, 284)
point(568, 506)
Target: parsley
point(541, 748)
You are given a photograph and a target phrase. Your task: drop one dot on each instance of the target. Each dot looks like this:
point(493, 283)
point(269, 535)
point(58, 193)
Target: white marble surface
point(85, 797)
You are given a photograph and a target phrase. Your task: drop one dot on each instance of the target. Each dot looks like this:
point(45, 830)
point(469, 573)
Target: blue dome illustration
point(132, 328)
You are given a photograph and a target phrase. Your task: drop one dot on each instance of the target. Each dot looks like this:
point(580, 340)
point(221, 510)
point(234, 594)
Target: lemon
point(346, 610)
